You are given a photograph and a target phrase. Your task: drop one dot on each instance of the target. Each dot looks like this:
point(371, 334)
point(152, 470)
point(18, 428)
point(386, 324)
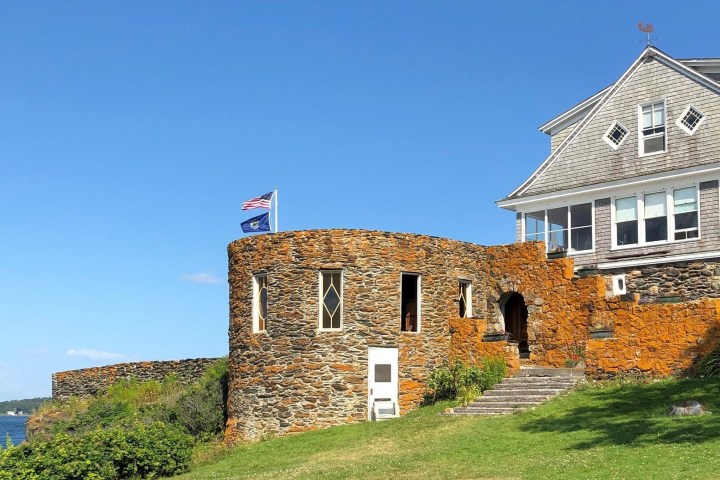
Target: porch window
point(686, 213)
point(626, 225)
point(655, 217)
point(260, 303)
point(331, 300)
point(535, 226)
point(465, 299)
point(562, 228)
point(652, 128)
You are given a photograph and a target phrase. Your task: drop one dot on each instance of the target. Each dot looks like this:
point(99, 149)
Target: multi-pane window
point(260, 303)
point(690, 119)
point(615, 135)
point(685, 213)
point(331, 299)
point(626, 221)
point(652, 128)
point(670, 214)
point(465, 298)
point(655, 214)
point(561, 228)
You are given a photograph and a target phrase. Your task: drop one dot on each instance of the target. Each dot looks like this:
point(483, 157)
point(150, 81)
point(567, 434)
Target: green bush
point(145, 451)
point(464, 383)
point(201, 408)
point(709, 366)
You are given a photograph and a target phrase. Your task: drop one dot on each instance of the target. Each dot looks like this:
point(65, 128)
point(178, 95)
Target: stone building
point(630, 188)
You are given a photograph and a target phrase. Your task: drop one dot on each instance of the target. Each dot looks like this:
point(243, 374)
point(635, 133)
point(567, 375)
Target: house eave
point(573, 115)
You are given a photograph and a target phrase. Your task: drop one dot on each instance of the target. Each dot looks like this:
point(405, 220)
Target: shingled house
point(630, 188)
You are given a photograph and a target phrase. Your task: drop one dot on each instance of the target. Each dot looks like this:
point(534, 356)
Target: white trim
point(608, 139)
point(572, 115)
point(654, 260)
point(322, 303)
point(609, 94)
point(703, 173)
point(642, 137)
point(682, 126)
point(668, 190)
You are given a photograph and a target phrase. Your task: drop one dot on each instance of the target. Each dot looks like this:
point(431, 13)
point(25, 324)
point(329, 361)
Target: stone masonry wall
point(89, 381)
point(466, 344)
point(687, 280)
point(296, 377)
point(654, 339)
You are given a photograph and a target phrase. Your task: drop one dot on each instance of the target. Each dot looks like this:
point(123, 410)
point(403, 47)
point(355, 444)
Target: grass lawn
point(607, 431)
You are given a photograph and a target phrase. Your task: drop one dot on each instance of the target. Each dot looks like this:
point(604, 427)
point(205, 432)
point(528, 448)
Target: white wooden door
point(382, 383)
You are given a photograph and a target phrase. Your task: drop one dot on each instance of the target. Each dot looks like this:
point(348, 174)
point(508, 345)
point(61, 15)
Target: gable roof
point(599, 100)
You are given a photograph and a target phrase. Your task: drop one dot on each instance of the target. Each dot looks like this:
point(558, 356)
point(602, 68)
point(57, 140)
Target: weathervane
point(647, 29)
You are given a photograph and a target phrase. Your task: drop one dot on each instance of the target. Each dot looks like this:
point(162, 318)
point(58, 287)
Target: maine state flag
point(261, 223)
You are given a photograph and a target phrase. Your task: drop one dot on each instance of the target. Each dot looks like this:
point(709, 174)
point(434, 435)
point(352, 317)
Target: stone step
point(527, 371)
point(531, 386)
point(523, 392)
point(535, 399)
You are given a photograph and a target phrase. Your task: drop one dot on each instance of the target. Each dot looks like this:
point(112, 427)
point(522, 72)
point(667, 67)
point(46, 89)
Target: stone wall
point(654, 339)
point(89, 381)
point(296, 377)
point(466, 344)
point(687, 280)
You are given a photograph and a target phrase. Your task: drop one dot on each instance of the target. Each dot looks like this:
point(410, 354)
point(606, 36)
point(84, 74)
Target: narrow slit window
point(410, 303)
point(331, 300)
point(464, 299)
point(260, 303)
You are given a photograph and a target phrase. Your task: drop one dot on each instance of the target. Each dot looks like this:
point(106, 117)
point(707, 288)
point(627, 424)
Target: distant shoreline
point(16, 415)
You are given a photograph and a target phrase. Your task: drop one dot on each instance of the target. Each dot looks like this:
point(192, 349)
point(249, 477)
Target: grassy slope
point(608, 432)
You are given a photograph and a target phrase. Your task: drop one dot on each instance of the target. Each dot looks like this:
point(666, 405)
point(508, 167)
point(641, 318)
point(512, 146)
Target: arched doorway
point(515, 315)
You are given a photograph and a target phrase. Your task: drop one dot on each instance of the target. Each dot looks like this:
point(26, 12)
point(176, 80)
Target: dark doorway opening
point(515, 314)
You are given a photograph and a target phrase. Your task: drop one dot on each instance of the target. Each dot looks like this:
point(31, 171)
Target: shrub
point(464, 383)
point(145, 451)
point(709, 366)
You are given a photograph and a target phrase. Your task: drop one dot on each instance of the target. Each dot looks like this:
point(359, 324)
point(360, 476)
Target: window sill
point(329, 330)
point(641, 155)
point(653, 244)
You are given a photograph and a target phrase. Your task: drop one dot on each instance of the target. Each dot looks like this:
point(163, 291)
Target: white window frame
point(642, 137)
point(640, 211)
point(256, 303)
point(418, 301)
point(468, 297)
point(607, 139)
point(322, 303)
point(685, 112)
point(568, 206)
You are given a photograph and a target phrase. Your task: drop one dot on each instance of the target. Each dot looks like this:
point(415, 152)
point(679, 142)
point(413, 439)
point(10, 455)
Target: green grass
point(609, 431)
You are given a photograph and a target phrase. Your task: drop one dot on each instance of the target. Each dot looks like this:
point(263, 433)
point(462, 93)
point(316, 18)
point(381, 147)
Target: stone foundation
point(90, 381)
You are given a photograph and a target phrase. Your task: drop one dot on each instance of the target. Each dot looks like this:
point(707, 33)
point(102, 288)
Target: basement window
point(690, 119)
point(410, 302)
point(615, 135)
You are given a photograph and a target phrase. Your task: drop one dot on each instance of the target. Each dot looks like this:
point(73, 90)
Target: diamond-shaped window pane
point(332, 300)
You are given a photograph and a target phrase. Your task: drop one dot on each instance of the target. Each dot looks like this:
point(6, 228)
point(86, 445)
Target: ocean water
point(13, 425)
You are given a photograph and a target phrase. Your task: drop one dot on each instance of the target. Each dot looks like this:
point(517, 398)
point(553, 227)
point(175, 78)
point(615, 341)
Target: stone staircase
point(530, 387)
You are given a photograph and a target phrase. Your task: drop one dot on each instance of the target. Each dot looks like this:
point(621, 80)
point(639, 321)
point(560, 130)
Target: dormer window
point(615, 135)
point(652, 128)
point(690, 119)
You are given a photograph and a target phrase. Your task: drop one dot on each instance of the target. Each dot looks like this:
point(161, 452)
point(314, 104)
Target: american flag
point(263, 201)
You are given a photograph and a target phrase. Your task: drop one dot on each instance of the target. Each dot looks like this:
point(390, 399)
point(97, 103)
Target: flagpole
point(276, 209)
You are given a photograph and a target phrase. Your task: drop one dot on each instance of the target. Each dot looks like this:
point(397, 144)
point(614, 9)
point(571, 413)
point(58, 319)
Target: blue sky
point(131, 133)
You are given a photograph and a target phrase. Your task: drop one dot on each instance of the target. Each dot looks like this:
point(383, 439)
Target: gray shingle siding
point(589, 160)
